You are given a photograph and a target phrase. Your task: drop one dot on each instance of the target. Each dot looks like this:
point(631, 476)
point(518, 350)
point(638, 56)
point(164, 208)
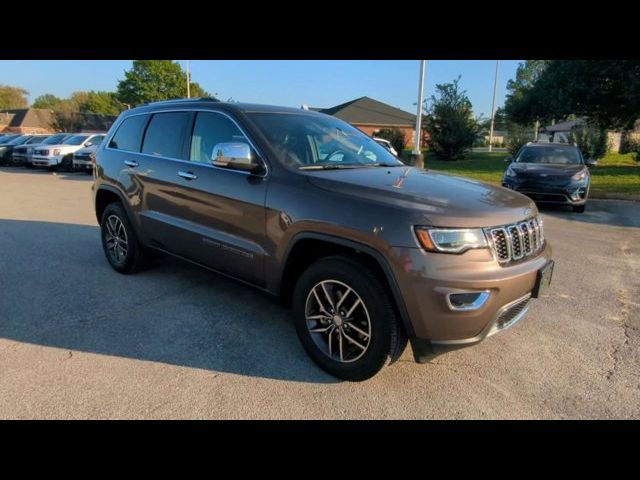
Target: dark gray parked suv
point(369, 252)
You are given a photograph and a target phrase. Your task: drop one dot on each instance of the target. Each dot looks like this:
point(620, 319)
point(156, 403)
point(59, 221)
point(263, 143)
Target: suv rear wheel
point(119, 242)
point(345, 319)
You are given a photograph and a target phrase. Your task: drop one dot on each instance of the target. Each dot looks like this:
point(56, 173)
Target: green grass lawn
point(616, 175)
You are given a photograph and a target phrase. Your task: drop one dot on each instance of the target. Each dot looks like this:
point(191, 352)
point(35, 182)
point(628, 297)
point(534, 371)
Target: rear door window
point(166, 134)
point(129, 134)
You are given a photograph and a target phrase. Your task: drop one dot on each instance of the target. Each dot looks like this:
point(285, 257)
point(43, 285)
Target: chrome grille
point(514, 242)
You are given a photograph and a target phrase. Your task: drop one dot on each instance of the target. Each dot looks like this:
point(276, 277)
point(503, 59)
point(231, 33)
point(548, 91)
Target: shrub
point(450, 122)
point(630, 145)
point(591, 140)
point(395, 136)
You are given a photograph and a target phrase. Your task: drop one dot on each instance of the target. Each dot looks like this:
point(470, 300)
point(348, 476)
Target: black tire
point(67, 163)
point(28, 165)
point(134, 258)
point(387, 338)
point(579, 208)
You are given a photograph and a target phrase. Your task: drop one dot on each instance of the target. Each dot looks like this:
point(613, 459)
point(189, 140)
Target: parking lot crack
point(625, 307)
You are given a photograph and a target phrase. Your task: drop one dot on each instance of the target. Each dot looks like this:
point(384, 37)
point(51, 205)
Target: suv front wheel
point(345, 319)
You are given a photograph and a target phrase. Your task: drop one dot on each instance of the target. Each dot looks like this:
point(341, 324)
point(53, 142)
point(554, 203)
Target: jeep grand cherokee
point(370, 253)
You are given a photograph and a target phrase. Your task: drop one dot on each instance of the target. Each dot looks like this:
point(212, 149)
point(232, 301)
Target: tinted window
point(129, 134)
point(209, 130)
point(166, 133)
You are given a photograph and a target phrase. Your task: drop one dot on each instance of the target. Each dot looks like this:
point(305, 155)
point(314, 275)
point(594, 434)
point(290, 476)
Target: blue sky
point(318, 83)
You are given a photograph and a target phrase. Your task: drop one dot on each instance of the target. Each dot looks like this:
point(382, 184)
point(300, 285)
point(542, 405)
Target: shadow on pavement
point(620, 213)
point(58, 291)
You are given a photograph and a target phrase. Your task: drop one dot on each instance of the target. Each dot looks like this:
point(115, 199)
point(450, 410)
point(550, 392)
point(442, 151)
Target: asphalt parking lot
point(78, 340)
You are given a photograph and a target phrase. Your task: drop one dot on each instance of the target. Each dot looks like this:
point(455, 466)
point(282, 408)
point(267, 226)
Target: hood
point(87, 150)
point(545, 169)
point(438, 199)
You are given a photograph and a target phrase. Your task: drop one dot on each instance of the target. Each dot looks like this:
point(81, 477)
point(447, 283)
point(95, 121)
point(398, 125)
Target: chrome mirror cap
point(236, 155)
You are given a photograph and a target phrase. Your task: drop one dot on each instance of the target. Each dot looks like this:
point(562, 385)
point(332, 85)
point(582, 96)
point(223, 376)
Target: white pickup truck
point(54, 156)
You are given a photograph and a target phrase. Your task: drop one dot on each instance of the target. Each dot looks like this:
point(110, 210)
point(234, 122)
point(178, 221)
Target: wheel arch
point(307, 247)
point(106, 194)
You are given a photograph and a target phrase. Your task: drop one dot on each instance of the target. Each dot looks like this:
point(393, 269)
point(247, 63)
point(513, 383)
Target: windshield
point(55, 139)
point(316, 142)
point(18, 140)
point(35, 140)
point(76, 140)
point(551, 155)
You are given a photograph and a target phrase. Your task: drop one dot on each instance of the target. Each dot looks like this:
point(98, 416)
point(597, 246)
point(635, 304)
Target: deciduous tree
point(155, 80)
point(13, 97)
point(450, 122)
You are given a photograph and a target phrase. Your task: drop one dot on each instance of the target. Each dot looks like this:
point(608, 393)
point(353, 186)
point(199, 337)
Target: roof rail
point(183, 100)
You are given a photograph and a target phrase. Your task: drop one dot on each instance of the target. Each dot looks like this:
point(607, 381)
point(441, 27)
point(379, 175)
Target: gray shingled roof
point(44, 118)
point(30, 117)
point(367, 111)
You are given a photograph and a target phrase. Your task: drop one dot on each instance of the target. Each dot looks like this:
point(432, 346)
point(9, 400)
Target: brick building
point(371, 115)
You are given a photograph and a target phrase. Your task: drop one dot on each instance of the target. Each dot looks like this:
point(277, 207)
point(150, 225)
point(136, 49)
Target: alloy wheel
point(116, 239)
point(338, 321)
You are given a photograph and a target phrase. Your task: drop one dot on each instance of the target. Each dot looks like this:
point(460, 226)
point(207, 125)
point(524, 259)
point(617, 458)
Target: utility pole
point(493, 107)
point(188, 81)
point(416, 155)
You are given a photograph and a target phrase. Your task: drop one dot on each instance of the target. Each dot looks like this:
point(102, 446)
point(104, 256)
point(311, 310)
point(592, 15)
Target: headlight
point(56, 151)
point(450, 240)
point(581, 175)
point(509, 173)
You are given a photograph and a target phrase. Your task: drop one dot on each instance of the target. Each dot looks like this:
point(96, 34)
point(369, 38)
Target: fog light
point(465, 301)
point(577, 195)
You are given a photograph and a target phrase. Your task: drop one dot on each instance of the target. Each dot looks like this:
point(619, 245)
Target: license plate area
point(543, 279)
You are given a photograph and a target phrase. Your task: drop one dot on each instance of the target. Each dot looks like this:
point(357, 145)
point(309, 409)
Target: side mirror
point(235, 155)
point(590, 162)
point(509, 159)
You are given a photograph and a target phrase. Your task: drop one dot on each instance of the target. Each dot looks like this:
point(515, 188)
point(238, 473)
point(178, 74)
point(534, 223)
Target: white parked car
point(386, 144)
point(55, 156)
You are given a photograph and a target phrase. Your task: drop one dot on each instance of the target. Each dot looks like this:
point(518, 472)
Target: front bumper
point(571, 193)
point(40, 161)
point(19, 159)
point(507, 316)
point(427, 279)
point(82, 164)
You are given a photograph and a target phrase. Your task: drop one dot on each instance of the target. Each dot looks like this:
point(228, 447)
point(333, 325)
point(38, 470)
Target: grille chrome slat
point(515, 242)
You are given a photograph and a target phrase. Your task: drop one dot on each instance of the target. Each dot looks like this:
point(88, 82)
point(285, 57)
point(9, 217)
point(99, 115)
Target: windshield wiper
point(326, 167)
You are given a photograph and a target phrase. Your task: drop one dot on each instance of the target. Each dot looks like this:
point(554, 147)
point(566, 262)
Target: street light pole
point(188, 81)
point(493, 107)
point(416, 144)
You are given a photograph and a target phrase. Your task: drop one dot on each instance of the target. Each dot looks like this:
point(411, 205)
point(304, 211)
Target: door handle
point(131, 163)
point(187, 175)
